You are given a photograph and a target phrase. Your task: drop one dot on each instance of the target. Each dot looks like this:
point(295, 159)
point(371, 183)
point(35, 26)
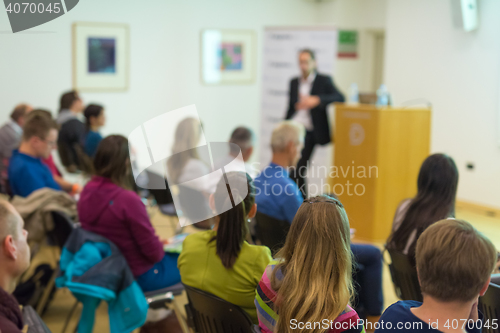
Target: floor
point(63, 301)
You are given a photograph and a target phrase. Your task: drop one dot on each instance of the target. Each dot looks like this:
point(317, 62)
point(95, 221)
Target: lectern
point(377, 157)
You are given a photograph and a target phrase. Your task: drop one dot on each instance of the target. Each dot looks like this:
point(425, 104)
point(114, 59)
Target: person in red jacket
point(106, 207)
point(14, 260)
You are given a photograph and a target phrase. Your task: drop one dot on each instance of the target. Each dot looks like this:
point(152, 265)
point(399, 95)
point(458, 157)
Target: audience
point(72, 130)
point(27, 173)
point(435, 200)
point(278, 196)
point(220, 261)
point(14, 260)
point(94, 120)
point(106, 207)
point(454, 263)
point(311, 282)
point(315, 276)
point(10, 137)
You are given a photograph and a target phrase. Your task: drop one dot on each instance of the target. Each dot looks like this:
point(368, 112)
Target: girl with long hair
point(107, 207)
point(94, 120)
point(310, 285)
point(435, 200)
point(220, 261)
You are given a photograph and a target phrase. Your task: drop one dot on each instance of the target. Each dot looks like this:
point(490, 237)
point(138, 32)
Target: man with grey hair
point(14, 260)
point(10, 137)
point(277, 195)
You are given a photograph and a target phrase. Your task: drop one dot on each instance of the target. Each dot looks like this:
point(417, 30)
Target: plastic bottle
point(382, 96)
point(354, 94)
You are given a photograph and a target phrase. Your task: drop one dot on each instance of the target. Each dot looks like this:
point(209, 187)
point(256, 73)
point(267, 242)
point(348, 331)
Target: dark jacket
point(11, 319)
point(93, 269)
point(323, 87)
point(71, 134)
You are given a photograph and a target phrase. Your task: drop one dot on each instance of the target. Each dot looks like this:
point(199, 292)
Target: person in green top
point(220, 261)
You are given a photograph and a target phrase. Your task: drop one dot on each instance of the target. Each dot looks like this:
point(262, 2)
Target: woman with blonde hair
point(187, 170)
point(310, 286)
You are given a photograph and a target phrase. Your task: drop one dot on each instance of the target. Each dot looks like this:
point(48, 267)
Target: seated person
point(435, 200)
point(244, 138)
point(278, 196)
point(14, 260)
point(71, 188)
point(311, 280)
point(108, 209)
point(94, 120)
point(72, 130)
point(454, 263)
point(220, 261)
point(186, 169)
point(27, 173)
point(10, 137)
point(369, 298)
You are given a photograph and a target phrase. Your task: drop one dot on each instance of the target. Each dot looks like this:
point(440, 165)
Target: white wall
point(35, 66)
point(363, 16)
point(458, 72)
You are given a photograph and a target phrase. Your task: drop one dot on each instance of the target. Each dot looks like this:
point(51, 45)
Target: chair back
point(489, 305)
point(211, 314)
point(63, 226)
point(162, 196)
point(270, 231)
point(404, 277)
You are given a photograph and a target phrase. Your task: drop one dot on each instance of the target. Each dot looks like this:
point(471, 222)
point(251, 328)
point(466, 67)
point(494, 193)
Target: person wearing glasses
point(27, 173)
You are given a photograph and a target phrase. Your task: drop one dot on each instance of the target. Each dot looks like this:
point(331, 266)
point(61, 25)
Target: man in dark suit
point(310, 95)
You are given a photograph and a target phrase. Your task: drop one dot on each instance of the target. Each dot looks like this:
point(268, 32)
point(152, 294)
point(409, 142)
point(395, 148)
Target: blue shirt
point(400, 314)
point(91, 142)
point(276, 194)
point(28, 174)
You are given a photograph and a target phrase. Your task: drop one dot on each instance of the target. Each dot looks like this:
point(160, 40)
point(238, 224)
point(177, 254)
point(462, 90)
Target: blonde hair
point(316, 263)
point(454, 261)
point(187, 136)
point(286, 131)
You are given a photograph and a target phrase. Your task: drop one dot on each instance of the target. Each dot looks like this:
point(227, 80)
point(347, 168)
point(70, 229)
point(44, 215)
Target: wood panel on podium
point(377, 157)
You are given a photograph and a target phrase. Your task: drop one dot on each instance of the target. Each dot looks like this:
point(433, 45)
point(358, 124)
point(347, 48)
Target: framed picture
point(100, 56)
point(227, 56)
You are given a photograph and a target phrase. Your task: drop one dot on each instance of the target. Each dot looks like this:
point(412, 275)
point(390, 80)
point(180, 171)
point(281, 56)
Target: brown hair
point(316, 263)
point(19, 112)
point(112, 160)
point(38, 124)
point(67, 99)
point(233, 226)
point(437, 188)
point(454, 261)
point(310, 52)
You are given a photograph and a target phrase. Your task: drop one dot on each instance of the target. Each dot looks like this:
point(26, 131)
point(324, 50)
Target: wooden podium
point(378, 154)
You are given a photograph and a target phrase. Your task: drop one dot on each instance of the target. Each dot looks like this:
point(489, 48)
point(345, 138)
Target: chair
point(489, 305)
point(63, 226)
point(163, 197)
point(404, 277)
point(156, 299)
point(270, 231)
point(210, 314)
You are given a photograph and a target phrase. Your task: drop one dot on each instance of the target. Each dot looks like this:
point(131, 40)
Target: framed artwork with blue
point(100, 56)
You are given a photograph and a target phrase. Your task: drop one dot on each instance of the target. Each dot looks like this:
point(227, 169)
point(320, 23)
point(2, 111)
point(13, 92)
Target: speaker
point(465, 14)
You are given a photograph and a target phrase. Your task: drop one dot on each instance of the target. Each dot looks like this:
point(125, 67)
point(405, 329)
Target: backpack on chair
point(30, 291)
